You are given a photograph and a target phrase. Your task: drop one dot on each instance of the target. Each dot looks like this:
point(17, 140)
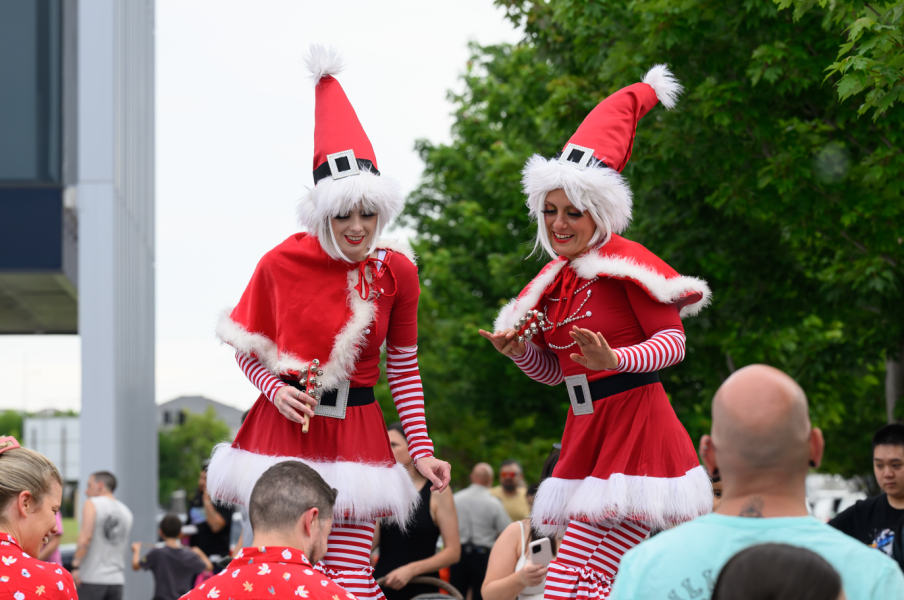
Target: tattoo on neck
point(753, 508)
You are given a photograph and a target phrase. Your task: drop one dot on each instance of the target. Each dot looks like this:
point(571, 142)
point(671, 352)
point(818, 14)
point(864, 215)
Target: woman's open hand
point(293, 403)
point(506, 342)
point(596, 354)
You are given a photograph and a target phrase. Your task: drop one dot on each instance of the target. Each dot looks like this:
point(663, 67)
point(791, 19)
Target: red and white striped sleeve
point(258, 374)
point(664, 349)
point(408, 394)
point(540, 365)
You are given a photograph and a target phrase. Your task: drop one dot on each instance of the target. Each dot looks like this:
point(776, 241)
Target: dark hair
point(551, 461)
point(532, 489)
point(171, 526)
point(777, 572)
point(890, 435)
point(511, 461)
point(285, 492)
point(107, 478)
point(397, 427)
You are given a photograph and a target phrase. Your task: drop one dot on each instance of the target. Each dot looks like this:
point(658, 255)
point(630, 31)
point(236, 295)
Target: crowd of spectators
point(759, 542)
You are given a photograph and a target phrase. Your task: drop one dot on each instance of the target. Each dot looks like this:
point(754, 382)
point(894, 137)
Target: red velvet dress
point(631, 458)
point(301, 305)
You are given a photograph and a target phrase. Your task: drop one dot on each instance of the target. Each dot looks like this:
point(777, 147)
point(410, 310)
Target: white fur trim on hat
point(664, 84)
point(332, 197)
point(322, 61)
point(658, 501)
point(597, 188)
point(365, 491)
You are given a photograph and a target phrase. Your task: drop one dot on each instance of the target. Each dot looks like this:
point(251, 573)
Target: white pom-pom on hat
point(665, 85)
point(322, 61)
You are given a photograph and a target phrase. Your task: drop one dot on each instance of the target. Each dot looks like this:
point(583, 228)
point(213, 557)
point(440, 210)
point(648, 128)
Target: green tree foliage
point(760, 181)
point(183, 450)
point(872, 58)
point(11, 424)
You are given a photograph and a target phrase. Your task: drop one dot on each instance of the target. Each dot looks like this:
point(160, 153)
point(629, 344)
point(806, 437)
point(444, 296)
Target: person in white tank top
point(98, 566)
point(510, 574)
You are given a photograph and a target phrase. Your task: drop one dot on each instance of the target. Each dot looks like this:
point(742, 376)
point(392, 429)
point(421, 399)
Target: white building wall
point(57, 438)
point(115, 197)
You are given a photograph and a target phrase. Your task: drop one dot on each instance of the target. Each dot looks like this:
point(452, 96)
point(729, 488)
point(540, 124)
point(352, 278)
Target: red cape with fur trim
point(301, 305)
point(620, 259)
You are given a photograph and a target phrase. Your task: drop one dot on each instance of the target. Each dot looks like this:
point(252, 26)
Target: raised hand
point(506, 342)
point(596, 354)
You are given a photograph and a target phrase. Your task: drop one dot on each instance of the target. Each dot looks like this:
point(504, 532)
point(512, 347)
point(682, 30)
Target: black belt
point(616, 384)
point(356, 396)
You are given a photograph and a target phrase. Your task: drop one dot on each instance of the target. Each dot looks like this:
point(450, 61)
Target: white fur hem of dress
point(366, 492)
point(657, 501)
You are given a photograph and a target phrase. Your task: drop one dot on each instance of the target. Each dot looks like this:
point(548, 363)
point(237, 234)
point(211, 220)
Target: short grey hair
point(286, 491)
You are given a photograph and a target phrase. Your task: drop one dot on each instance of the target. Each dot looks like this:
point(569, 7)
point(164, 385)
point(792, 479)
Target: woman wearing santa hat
point(307, 332)
point(605, 316)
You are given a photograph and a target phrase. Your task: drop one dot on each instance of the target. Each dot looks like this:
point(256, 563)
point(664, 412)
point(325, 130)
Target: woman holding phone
point(517, 566)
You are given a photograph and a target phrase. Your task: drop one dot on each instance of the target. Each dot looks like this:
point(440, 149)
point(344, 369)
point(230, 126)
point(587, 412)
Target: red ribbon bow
point(563, 286)
point(364, 287)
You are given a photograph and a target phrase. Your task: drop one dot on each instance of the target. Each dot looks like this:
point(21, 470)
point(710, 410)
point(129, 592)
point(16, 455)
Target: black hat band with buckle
point(343, 164)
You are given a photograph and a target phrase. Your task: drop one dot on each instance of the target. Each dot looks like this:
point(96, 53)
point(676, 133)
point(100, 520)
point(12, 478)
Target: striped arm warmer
point(664, 349)
point(408, 394)
point(540, 365)
point(258, 374)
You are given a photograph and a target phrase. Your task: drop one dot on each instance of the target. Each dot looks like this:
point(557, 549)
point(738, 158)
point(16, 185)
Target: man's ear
point(708, 454)
point(307, 520)
point(817, 445)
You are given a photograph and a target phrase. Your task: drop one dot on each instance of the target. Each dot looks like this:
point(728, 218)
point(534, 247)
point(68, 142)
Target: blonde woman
point(31, 491)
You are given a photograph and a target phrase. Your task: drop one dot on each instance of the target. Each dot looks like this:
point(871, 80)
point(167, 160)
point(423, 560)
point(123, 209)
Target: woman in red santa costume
point(313, 317)
point(609, 318)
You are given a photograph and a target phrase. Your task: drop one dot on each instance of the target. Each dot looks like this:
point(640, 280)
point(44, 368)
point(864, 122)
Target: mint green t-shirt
point(683, 563)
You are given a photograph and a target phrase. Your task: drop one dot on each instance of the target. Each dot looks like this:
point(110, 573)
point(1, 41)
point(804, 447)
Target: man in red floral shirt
point(291, 511)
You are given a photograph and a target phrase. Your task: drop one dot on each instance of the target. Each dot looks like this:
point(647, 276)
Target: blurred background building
point(77, 221)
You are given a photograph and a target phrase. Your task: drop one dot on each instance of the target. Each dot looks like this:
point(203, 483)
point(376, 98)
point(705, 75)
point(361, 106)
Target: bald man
point(481, 518)
point(762, 445)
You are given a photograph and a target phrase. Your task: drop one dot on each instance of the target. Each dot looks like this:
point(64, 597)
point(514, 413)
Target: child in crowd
point(174, 566)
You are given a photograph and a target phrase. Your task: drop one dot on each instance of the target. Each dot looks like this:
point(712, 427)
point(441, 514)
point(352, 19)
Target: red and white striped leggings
point(347, 560)
point(588, 559)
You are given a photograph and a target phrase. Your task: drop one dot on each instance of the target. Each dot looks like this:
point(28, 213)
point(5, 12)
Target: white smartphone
point(541, 552)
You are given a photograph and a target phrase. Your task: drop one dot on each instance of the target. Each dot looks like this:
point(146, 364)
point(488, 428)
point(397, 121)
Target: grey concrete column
point(115, 199)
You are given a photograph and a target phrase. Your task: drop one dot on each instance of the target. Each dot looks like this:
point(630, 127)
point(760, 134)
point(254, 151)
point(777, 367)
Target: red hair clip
point(8, 443)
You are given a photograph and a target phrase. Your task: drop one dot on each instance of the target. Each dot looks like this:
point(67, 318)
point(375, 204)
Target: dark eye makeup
point(552, 211)
point(363, 216)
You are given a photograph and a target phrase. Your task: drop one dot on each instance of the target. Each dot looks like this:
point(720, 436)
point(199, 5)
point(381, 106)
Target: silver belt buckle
point(579, 393)
point(337, 411)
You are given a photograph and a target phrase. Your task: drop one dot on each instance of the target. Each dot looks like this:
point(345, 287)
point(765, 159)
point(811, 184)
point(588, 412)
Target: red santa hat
point(589, 166)
point(346, 175)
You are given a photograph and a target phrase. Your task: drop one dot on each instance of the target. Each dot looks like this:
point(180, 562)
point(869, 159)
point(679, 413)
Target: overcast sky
point(235, 123)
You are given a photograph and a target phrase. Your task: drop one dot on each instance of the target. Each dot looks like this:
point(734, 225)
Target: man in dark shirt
point(174, 566)
point(213, 522)
point(875, 520)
